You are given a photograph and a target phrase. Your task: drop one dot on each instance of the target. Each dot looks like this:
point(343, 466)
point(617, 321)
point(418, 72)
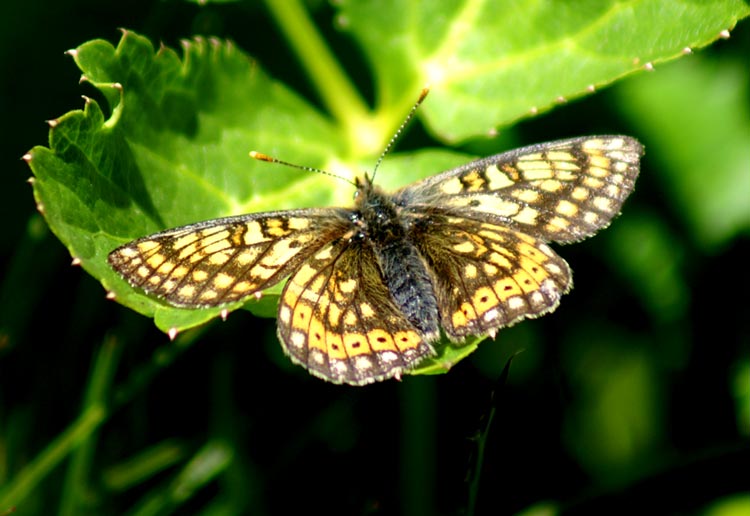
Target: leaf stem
point(41, 466)
point(336, 90)
point(79, 433)
point(82, 456)
point(95, 412)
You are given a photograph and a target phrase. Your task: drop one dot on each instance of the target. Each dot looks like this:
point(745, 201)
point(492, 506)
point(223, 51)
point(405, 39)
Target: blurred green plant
point(169, 146)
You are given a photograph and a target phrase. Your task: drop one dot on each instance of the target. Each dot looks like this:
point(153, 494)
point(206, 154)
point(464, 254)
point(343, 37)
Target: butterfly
point(371, 288)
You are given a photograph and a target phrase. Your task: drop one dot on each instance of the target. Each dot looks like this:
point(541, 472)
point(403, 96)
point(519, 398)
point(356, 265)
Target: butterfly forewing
point(225, 260)
point(559, 191)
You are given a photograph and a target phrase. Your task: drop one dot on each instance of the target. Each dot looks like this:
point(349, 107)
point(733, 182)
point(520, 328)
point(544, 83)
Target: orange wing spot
point(366, 310)
point(186, 239)
point(291, 294)
point(500, 261)
point(187, 251)
point(247, 256)
point(302, 316)
point(357, 344)
point(381, 340)
point(406, 340)
point(470, 271)
point(219, 258)
point(490, 233)
point(156, 260)
point(334, 315)
point(304, 274)
point(148, 245)
point(599, 161)
point(333, 341)
point(316, 335)
point(490, 269)
point(534, 269)
point(243, 287)
point(186, 291)
point(465, 247)
point(532, 252)
point(525, 281)
point(200, 275)
point(484, 299)
point(463, 316)
point(506, 288)
point(166, 268)
point(350, 318)
point(598, 172)
point(208, 295)
point(473, 181)
point(237, 235)
point(274, 228)
point(350, 340)
point(551, 185)
point(223, 280)
point(317, 284)
point(179, 272)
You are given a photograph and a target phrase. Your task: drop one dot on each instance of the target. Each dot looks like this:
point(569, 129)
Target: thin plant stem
point(334, 87)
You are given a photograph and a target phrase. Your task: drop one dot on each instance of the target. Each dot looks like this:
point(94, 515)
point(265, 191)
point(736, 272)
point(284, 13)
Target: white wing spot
point(298, 339)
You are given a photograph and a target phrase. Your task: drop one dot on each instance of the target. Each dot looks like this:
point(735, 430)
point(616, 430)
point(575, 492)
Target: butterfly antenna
point(400, 130)
point(264, 157)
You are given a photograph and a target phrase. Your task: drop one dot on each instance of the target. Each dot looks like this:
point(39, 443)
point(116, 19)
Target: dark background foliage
point(620, 399)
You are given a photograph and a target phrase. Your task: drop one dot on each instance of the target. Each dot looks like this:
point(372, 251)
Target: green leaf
point(170, 146)
point(704, 151)
point(491, 63)
point(174, 151)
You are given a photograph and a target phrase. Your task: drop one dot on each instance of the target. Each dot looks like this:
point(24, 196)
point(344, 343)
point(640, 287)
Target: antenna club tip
point(260, 156)
point(424, 93)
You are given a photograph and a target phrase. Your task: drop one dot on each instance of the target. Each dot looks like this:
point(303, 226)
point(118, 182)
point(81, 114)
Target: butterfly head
point(363, 184)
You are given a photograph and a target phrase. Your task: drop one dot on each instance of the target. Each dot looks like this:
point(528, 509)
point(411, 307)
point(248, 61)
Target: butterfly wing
point(560, 191)
point(225, 260)
point(482, 228)
point(487, 276)
point(338, 319)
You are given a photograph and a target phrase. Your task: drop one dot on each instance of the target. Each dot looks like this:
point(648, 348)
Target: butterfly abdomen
point(407, 279)
point(403, 270)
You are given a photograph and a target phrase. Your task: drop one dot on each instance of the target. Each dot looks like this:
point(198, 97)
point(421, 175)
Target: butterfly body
point(388, 229)
point(371, 287)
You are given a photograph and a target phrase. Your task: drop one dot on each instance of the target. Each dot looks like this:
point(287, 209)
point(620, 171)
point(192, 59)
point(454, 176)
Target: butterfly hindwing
point(338, 319)
point(487, 276)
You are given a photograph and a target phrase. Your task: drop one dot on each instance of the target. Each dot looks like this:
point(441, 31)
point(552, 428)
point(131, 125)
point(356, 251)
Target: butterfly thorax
point(383, 226)
point(377, 215)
